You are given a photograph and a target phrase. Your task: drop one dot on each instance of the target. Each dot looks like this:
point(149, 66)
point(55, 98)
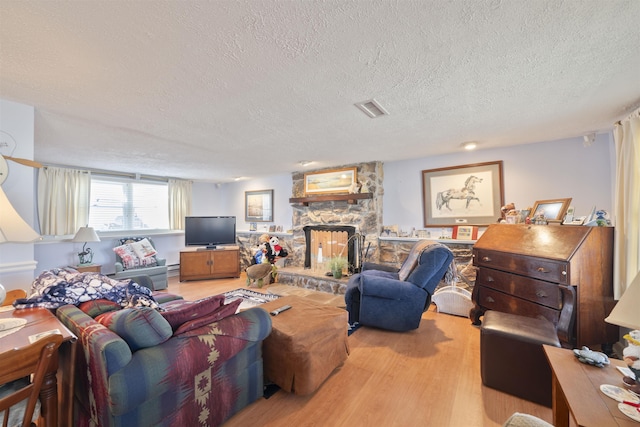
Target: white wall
point(17, 261)
point(540, 171)
point(229, 199)
point(531, 172)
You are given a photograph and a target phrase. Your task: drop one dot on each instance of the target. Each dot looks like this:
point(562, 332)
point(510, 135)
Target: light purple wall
point(540, 171)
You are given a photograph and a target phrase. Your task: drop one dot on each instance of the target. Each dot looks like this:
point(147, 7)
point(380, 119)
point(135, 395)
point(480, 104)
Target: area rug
point(249, 298)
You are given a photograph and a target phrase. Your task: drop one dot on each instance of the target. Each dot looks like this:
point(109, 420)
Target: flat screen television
point(210, 231)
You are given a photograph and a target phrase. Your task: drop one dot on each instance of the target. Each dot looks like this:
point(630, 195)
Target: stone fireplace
point(360, 219)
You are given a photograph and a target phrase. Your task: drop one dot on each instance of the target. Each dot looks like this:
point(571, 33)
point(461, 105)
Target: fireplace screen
point(324, 242)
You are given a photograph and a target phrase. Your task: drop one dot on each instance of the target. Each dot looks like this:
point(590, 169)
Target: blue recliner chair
point(395, 300)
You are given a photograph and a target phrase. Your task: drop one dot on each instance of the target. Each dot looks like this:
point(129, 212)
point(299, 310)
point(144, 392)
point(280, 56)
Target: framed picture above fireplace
point(332, 181)
point(258, 206)
point(462, 195)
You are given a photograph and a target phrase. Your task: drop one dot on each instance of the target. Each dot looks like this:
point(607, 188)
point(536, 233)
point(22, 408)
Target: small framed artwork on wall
point(258, 206)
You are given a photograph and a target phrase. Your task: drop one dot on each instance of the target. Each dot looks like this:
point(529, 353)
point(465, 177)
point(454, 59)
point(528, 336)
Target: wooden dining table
point(52, 395)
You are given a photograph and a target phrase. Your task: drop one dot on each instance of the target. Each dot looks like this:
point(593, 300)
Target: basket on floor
point(453, 300)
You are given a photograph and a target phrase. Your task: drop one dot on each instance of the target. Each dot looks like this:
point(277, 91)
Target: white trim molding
point(15, 267)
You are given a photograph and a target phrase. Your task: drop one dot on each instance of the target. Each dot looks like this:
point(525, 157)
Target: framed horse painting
point(462, 195)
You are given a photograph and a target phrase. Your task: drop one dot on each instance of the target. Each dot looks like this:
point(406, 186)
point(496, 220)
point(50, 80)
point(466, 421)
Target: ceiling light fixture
point(372, 108)
point(470, 145)
point(304, 163)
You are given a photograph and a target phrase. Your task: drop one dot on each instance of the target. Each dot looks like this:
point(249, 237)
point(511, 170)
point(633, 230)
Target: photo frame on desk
point(552, 209)
point(462, 195)
point(258, 206)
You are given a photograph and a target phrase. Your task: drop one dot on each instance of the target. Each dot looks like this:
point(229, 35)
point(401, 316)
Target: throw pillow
point(95, 307)
point(140, 327)
point(130, 260)
point(219, 314)
point(127, 255)
point(180, 311)
point(143, 248)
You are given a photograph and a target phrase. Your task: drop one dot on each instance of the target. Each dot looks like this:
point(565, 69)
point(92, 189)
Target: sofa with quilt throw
point(137, 256)
point(188, 363)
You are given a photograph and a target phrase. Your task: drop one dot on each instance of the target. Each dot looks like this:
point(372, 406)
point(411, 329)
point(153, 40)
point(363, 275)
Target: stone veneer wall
point(394, 252)
point(365, 215)
point(248, 242)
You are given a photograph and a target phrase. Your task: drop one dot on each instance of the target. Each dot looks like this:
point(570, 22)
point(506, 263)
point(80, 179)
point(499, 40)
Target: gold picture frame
point(552, 209)
point(332, 181)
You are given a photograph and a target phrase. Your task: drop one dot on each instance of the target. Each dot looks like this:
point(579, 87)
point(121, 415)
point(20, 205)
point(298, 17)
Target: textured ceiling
point(212, 90)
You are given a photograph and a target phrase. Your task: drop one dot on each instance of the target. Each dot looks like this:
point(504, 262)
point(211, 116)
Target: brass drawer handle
point(486, 259)
point(489, 299)
point(490, 279)
point(541, 294)
point(542, 270)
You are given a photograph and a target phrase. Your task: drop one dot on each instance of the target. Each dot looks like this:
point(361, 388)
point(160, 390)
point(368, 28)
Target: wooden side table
point(89, 268)
point(576, 391)
point(41, 320)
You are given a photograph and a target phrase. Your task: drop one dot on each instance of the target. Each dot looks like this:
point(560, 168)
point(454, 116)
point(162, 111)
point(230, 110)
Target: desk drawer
point(539, 268)
point(494, 300)
point(537, 291)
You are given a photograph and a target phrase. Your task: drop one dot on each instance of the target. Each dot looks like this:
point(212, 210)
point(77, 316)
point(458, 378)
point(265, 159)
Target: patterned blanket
point(57, 287)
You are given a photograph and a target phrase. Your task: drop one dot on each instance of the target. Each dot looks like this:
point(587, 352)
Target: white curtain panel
point(179, 202)
point(63, 200)
point(627, 206)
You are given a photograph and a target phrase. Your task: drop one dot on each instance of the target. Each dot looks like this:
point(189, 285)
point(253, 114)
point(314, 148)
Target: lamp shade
point(626, 313)
point(13, 229)
point(86, 234)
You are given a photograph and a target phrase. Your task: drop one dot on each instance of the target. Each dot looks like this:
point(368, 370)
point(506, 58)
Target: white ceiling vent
point(372, 108)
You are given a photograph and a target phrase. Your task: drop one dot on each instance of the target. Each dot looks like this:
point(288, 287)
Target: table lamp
point(13, 229)
point(626, 313)
point(86, 234)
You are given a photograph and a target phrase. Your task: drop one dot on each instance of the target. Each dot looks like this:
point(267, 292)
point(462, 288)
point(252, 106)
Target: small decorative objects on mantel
point(465, 232)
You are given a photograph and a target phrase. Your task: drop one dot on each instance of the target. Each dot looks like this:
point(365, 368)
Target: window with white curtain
point(127, 204)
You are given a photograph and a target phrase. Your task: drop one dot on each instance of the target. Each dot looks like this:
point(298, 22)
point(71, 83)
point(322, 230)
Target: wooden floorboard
point(426, 377)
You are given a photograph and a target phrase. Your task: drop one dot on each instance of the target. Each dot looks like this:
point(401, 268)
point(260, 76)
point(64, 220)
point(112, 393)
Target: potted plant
point(337, 264)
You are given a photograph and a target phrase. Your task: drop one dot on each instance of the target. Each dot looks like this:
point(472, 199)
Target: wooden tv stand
point(209, 264)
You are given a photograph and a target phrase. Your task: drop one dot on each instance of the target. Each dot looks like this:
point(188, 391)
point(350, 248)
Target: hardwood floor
point(426, 377)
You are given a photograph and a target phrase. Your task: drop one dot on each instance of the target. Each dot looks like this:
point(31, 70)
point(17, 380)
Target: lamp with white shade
point(13, 229)
point(626, 313)
point(86, 234)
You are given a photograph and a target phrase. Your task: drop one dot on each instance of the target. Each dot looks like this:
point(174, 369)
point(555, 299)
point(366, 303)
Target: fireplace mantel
point(349, 198)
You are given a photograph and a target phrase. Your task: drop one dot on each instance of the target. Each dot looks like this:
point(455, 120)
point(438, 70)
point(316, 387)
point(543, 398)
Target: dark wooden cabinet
point(529, 269)
point(209, 264)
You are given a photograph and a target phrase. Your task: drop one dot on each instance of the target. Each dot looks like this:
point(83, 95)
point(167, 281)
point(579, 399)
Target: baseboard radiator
point(173, 270)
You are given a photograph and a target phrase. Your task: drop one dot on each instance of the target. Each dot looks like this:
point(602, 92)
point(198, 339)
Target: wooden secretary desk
point(527, 269)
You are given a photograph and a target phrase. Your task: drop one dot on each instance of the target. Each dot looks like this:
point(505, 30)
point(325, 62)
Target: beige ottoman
point(307, 343)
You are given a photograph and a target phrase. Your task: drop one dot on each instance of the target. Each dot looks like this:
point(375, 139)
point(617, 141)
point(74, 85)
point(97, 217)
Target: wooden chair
point(13, 295)
point(16, 365)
